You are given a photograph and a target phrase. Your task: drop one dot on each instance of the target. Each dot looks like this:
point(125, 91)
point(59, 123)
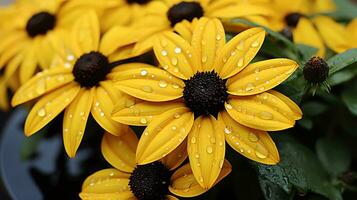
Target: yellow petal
point(75, 120)
point(49, 106)
point(334, 35)
point(305, 33)
point(85, 34)
point(352, 30)
point(12, 66)
point(176, 55)
point(254, 144)
point(164, 134)
point(296, 112)
point(4, 101)
point(184, 29)
point(103, 104)
point(206, 149)
point(117, 37)
point(184, 184)
point(106, 184)
point(136, 112)
point(170, 197)
point(13, 50)
point(261, 76)
point(263, 112)
point(28, 65)
point(240, 10)
point(42, 83)
point(208, 37)
point(119, 151)
point(239, 51)
point(151, 84)
point(176, 157)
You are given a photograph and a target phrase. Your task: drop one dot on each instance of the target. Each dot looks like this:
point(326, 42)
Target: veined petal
point(117, 37)
point(170, 197)
point(106, 184)
point(119, 151)
point(49, 106)
point(305, 33)
point(176, 157)
point(12, 51)
point(334, 35)
point(75, 120)
point(184, 184)
point(136, 112)
point(240, 10)
point(185, 30)
point(176, 55)
point(263, 112)
point(296, 112)
point(238, 52)
point(29, 63)
point(151, 84)
point(103, 103)
point(42, 83)
point(206, 150)
point(12, 66)
point(208, 37)
point(254, 144)
point(85, 34)
point(261, 76)
point(4, 101)
point(164, 134)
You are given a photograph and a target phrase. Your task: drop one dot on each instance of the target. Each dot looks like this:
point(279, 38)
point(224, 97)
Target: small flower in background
point(80, 84)
point(222, 97)
point(316, 73)
point(152, 181)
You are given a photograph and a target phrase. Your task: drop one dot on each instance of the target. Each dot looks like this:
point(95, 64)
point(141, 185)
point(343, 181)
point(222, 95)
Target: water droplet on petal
point(250, 87)
point(218, 37)
point(165, 67)
point(266, 115)
point(257, 70)
point(143, 120)
point(193, 140)
point(253, 137)
point(204, 59)
point(209, 149)
point(147, 89)
point(261, 151)
point(164, 53)
point(174, 128)
point(229, 106)
point(175, 85)
point(174, 61)
point(240, 62)
point(240, 46)
point(177, 50)
point(213, 140)
point(177, 115)
point(228, 129)
point(255, 44)
point(197, 155)
point(162, 83)
point(143, 72)
point(41, 112)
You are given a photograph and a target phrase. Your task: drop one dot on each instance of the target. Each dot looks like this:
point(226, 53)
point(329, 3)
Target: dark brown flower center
point(150, 181)
point(205, 93)
point(40, 23)
point(316, 70)
point(292, 19)
point(184, 10)
point(91, 68)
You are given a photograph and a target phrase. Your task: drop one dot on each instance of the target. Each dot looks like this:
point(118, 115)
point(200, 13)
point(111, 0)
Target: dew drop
point(177, 115)
point(162, 83)
point(193, 140)
point(240, 46)
point(261, 151)
point(229, 106)
point(213, 140)
point(257, 70)
point(218, 37)
point(174, 128)
point(228, 129)
point(197, 155)
point(204, 59)
point(255, 44)
point(253, 137)
point(174, 61)
point(266, 115)
point(147, 89)
point(41, 112)
point(146, 133)
point(249, 87)
point(240, 62)
point(177, 50)
point(143, 72)
point(165, 67)
point(209, 150)
point(175, 85)
point(143, 120)
point(102, 114)
point(164, 53)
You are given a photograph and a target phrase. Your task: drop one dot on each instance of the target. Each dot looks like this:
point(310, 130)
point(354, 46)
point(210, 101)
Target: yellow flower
point(27, 35)
point(217, 94)
point(291, 18)
point(151, 181)
point(80, 84)
point(177, 14)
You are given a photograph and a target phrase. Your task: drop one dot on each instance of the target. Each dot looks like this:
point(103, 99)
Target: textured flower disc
point(40, 23)
point(150, 181)
point(90, 69)
point(316, 70)
point(205, 93)
point(184, 11)
point(292, 19)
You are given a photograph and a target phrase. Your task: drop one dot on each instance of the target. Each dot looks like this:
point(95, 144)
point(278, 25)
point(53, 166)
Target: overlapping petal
point(238, 52)
point(75, 120)
point(164, 134)
point(263, 112)
point(206, 150)
point(261, 76)
point(184, 183)
point(254, 144)
point(49, 106)
point(119, 151)
point(176, 157)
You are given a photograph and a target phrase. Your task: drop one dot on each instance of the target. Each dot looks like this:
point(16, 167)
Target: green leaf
point(272, 191)
point(313, 108)
point(306, 123)
point(299, 167)
point(341, 77)
point(345, 9)
point(334, 156)
point(349, 97)
point(342, 60)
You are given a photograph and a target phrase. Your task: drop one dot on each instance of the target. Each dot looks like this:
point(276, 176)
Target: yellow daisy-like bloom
point(291, 18)
point(218, 95)
point(151, 181)
point(177, 14)
point(80, 84)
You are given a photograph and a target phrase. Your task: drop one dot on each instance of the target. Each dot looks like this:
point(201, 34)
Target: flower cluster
point(167, 65)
